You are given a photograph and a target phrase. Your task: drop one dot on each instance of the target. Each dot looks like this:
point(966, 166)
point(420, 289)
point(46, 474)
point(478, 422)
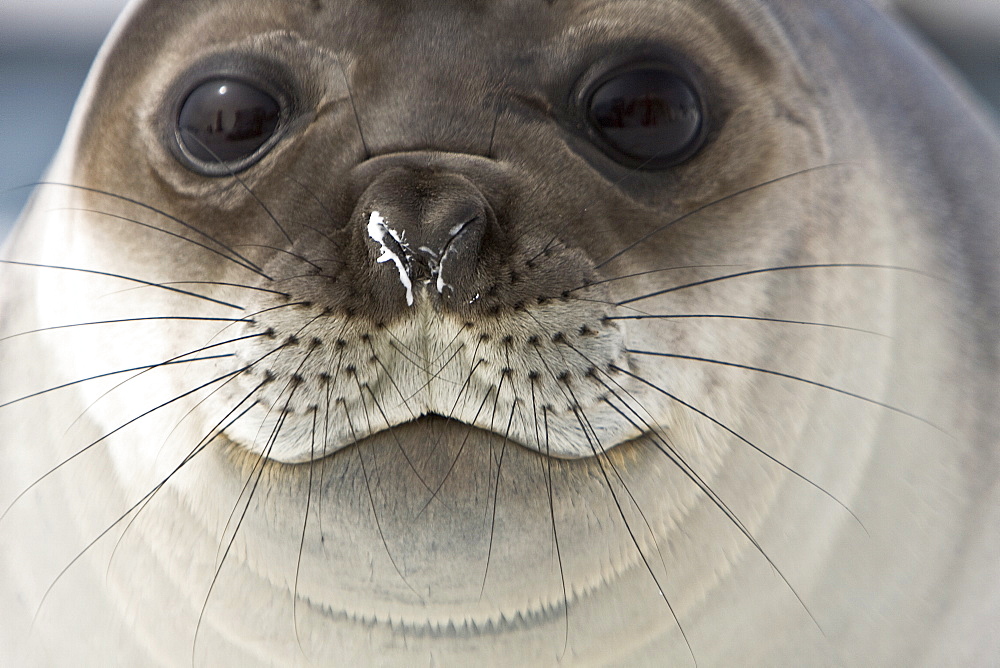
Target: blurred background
point(46, 47)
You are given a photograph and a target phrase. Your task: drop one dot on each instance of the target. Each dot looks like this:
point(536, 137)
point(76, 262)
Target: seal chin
point(402, 502)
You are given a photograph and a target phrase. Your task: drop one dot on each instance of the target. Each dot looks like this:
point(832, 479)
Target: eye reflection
point(648, 117)
point(226, 122)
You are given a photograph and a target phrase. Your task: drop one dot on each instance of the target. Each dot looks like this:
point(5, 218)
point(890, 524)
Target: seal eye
point(647, 116)
point(225, 122)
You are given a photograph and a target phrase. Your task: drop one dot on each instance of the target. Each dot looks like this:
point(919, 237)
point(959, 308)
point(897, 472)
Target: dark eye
point(224, 122)
point(647, 116)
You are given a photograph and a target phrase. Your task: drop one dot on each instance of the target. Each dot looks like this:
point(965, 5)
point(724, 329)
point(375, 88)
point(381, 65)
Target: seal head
point(610, 331)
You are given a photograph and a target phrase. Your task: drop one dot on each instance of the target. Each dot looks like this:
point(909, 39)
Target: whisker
point(212, 434)
point(106, 374)
point(389, 376)
point(669, 451)
point(161, 230)
point(262, 464)
point(444, 349)
point(172, 360)
point(710, 316)
point(329, 214)
point(236, 177)
point(660, 441)
point(294, 385)
point(468, 379)
point(493, 415)
point(213, 283)
point(719, 503)
point(140, 504)
point(628, 527)
point(302, 539)
point(454, 461)
point(796, 267)
point(92, 444)
point(800, 379)
point(588, 431)
point(496, 494)
point(437, 374)
point(646, 273)
point(243, 260)
point(327, 413)
point(621, 480)
point(731, 431)
point(395, 437)
point(493, 132)
point(354, 108)
point(547, 466)
point(545, 249)
point(716, 202)
point(283, 251)
point(124, 278)
point(249, 318)
point(117, 321)
point(368, 487)
point(293, 277)
point(415, 357)
point(672, 455)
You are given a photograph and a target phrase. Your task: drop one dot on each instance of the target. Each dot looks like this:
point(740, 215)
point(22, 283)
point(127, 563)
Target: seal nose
point(429, 226)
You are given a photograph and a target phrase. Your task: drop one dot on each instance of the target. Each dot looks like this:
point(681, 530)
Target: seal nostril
point(428, 227)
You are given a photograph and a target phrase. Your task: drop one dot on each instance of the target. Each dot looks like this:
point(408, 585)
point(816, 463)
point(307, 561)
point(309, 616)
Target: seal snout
point(428, 226)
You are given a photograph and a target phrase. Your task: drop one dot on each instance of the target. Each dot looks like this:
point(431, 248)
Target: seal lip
point(270, 76)
point(624, 60)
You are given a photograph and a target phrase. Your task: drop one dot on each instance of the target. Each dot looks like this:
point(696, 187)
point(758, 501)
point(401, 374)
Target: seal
point(619, 331)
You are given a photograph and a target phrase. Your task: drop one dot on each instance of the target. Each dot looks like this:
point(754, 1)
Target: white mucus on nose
point(378, 230)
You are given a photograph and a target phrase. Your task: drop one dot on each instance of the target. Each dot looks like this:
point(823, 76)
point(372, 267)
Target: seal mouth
point(546, 378)
point(505, 412)
point(436, 427)
point(437, 424)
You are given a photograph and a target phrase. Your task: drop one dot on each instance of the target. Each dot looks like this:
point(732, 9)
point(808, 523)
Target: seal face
point(369, 332)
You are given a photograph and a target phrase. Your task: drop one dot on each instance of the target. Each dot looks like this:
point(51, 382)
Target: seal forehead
point(401, 32)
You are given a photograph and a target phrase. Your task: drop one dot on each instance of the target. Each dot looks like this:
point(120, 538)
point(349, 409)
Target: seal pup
point(634, 331)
